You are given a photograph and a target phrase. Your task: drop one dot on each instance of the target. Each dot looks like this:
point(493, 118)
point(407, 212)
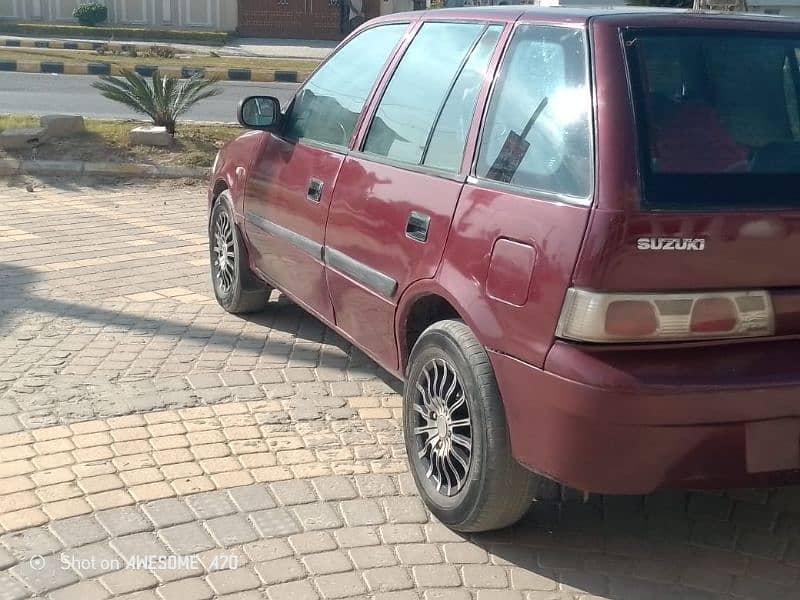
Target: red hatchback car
point(573, 234)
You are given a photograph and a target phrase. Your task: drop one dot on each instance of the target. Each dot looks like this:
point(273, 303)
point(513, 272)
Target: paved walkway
point(154, 447)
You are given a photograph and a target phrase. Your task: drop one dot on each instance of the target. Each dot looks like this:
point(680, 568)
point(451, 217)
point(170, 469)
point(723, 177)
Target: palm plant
point(163, 99)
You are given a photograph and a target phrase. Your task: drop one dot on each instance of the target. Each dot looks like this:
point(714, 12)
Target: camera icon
point(38, 562)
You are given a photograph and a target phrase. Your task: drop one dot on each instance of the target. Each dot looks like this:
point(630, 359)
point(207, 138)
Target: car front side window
point(413, 100)
point(327, 108)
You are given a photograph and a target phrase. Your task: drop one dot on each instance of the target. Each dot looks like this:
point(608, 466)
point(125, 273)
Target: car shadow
point(282, 315)
point(669, 545)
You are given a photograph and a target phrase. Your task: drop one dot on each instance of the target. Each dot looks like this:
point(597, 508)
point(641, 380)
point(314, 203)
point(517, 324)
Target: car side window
point(327, 108)
point(446, 148)
point(419, 86)
point(537, 133)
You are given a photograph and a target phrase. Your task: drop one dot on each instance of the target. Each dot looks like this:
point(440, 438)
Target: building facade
point(220, 15)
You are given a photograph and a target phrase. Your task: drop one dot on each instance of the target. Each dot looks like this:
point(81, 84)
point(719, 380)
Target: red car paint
point(617, 419)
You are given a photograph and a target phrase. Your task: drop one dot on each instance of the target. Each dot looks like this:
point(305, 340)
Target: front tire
point(456, 434)
point(236, 288)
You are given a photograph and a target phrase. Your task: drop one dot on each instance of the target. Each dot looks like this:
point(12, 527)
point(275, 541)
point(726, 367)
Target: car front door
point(395, 198)
point(292, 179)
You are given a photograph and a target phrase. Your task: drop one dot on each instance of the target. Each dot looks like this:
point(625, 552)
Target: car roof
point(581, 14)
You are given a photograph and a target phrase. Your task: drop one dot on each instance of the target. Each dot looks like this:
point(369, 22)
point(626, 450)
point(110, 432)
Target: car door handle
point(314, 192)
point(417, 226)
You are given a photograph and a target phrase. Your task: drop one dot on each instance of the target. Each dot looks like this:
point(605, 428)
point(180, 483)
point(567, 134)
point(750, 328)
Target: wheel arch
point(422, 305)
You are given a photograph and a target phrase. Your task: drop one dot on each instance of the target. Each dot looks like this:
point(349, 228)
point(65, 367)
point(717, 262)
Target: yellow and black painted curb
point(59, 44)
point(104, 68)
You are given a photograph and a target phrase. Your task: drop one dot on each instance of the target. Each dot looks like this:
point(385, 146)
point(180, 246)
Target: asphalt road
point(41, 94)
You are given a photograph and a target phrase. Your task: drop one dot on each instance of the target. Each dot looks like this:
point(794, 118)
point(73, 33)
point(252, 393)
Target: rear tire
point(456, 433)
point(237, 289)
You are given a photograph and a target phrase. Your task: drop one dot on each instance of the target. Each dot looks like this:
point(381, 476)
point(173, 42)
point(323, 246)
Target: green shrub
point(163, 98)
point(215, 38)
point(90, 14)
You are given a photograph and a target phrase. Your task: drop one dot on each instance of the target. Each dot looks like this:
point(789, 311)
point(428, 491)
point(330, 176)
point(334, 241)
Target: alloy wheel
point(442, 427)
point(224, 253)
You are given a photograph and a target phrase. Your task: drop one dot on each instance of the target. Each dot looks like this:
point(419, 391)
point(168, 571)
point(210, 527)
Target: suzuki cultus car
point(574, 234)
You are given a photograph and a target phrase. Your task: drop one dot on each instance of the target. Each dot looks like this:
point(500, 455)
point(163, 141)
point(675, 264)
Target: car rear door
point(292, 180)
point(396, 194)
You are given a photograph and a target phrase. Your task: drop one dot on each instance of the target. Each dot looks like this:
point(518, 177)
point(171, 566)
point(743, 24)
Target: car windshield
point(718, 118)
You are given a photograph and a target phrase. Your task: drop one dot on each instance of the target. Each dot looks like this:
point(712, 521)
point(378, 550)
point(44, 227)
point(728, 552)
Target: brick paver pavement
point(154, 447)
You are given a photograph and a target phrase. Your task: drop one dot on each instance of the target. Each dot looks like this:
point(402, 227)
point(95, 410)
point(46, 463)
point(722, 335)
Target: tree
point(163, 99)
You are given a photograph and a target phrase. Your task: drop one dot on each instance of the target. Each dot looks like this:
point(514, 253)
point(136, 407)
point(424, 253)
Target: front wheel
point(456, 434)
point(236, 288)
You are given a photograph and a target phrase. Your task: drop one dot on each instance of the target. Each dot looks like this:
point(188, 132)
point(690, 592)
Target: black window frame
point(458, 175)
point(546, 195)
point(658, 191)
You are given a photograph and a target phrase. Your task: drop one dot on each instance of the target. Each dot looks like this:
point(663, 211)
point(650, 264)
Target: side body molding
point(367, 276)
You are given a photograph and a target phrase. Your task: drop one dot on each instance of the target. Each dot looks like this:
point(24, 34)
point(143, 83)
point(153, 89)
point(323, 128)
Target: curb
point(12, 166)
point(104, 68)
point(58, 44)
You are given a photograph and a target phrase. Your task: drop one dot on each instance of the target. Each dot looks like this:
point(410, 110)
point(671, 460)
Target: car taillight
point(619, 317)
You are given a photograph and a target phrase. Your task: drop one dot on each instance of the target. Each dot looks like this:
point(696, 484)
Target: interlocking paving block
point(334, 488)
point(464, 552)
point(78, 531)
point(7, 559)
point(266, 550)
point(295, 590)
point(317, 516)
point(252, 498)
point(84, 590)
point(129, 581)
point(138, 545)
point(231, 530)
point(45, 575)
point(123, 521)
point(36, 541)
point(438, 533)
point(275, 522)
point(362, 512)
point(187, 589)
point(186, 539)
point(280, 571)
point(11, 589)
point(341, 585)
point(210, 505)
point(352, 537)
point(93, 560)
point(401, 534)
point(405, 510)
point(167, 512)
point(388, 579)
point(419, 554)
point(231, 581)
point(326, 563)
point(369, 557)
point(312, 542)
point(296, 491)
point(436, 576)
point(484, 576)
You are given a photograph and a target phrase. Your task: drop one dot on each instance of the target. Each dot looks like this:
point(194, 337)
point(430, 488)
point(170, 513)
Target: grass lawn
point(107, 141)
point(127, 62)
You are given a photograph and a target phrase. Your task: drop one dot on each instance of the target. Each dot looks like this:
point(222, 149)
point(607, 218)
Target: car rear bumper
point(634, 420)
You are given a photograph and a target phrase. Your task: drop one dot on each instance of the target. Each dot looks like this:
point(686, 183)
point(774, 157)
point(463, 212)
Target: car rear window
point(718, 118)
